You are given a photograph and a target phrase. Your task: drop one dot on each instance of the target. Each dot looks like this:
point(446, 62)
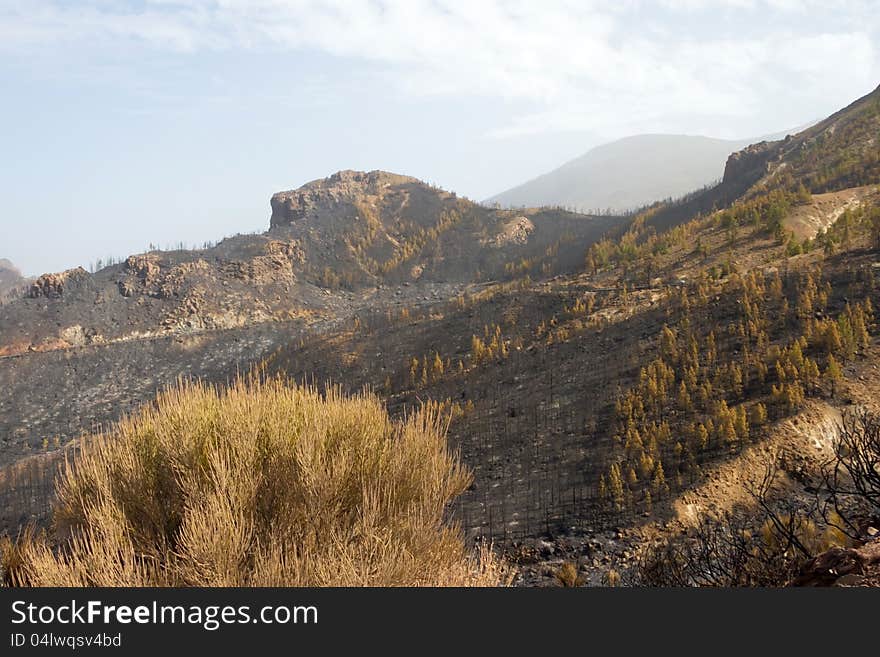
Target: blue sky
point(130, 122)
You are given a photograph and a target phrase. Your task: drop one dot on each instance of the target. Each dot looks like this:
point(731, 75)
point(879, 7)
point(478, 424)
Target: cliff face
point(746, 167)
point(743, 170)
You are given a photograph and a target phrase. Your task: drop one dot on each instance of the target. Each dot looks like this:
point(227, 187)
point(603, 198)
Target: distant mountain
point(10, 277)
point(628, 173)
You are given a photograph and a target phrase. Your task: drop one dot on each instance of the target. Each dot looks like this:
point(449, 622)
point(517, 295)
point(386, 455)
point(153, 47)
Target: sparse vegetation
point(701, 397)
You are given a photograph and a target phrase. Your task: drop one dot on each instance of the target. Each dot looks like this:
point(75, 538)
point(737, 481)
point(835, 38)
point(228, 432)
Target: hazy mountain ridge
point(632, 172)
point(627, 173)
point(10, 277)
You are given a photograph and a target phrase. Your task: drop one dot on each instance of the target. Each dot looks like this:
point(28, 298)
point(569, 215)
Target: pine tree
point(833, 374)
point(810, 373)
point(668, 346)
point(413, 370)
point(736, 380)
point(741, 423)
point(646, 465)
point(478, 349)
point(711, 351)
point(615, 487)
point(658, 483)
point(831, 334)
point(727, 429)
point(632, 479)
point(860, 328)
point(684, 399)
point(848, 340)
point(702, 436)
point(758, 415)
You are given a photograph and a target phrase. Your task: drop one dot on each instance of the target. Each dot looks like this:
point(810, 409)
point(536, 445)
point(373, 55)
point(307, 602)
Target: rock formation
point(53, 286)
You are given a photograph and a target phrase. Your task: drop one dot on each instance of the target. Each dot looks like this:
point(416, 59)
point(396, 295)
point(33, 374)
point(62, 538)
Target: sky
point(130, 122)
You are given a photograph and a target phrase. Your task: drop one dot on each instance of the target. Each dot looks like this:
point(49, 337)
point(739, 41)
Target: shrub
point(262, 484)
point(567, 574)
point(611, 578)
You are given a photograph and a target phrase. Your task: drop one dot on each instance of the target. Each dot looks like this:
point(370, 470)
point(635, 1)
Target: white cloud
point(575, 64)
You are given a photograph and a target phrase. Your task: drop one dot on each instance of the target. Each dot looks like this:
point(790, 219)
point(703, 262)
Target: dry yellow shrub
point(262, 484)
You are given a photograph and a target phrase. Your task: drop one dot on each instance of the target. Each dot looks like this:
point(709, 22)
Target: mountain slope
point(659, 385)
point(837, 153)
point(330, 238)
point(840, 152)
point(619, 397)
point(628, 173)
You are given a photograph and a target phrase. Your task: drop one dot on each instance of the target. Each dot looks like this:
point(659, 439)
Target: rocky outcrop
point(275, 266)
point(145, 267)
point(262, 270)
point(174, 281)
point(515, 231)
point(320, 196)
point(743, 169)
point(74, 335)
point(746, 167)
point(145, 274)
point(141, 270)
point(54, 286)
point(342, 234)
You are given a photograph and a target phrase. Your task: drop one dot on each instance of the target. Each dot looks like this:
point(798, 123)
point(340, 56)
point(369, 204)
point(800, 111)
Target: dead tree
point(850, 493)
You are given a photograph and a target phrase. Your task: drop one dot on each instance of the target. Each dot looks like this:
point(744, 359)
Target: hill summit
point(319, 196)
